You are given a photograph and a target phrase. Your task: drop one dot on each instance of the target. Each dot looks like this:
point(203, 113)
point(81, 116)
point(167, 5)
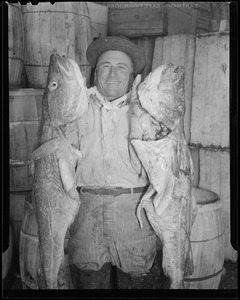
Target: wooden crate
point(210, 100)
point(137, 21)
point(158, 18)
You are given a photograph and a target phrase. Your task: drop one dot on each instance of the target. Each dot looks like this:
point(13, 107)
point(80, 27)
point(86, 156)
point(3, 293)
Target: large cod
point(169, 201)
point(53, 163)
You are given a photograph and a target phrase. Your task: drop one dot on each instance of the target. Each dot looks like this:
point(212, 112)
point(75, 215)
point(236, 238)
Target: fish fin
point(175, 164)
point(145, 198)
point(77, 153)
point(47, 148)
point(73, 193)
point(149, 193)
point(67, 176)
point(32, 168)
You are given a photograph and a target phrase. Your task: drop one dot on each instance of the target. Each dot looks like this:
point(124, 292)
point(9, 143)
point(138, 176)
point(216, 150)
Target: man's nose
point(112, 71)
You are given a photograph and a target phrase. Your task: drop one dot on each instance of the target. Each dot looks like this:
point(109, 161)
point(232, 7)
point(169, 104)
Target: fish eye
point(52, 86)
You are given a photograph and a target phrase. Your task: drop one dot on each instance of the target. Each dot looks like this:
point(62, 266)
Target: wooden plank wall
point(210, 112)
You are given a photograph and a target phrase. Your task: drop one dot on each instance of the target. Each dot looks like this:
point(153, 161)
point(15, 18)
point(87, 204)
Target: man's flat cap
point(101, 45)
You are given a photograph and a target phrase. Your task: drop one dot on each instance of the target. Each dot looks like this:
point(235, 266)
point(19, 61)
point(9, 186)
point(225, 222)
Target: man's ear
point(95, 77)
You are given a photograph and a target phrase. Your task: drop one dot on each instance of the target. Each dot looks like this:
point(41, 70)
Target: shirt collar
point(96, 97)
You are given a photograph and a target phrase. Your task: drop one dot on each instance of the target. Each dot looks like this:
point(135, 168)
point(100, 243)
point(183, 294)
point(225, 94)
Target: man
point(111, 179)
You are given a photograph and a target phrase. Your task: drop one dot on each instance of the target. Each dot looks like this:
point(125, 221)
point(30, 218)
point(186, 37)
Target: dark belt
point(113, 191)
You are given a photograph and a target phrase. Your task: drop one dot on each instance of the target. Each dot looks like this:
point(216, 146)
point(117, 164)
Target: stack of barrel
point(17, 163)
point(35, 32)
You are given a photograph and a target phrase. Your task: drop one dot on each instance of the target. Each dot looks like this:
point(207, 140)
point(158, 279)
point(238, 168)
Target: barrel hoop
point(16, 58)
point(203, 278)
point(216, 199)
point(21, 192)
point(13, 123)
point(29, 65)
point(12, 4)
point(57, 11)
point(19, 163)
point(210, 208)
point(36, 238)
point(26, 92)
point(209, 239)
point(32, 237)
point(40, 66)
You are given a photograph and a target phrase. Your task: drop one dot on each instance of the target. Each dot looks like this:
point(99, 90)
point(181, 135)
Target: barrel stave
point(15, 45)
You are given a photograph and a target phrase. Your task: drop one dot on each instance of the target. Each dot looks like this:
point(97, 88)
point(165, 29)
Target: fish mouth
point(173, 73)
point(178, 71)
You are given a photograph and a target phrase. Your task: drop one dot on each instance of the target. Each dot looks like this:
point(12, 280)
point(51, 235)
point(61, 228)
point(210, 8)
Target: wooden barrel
point(7, 256)
point(28, 254)
point(207, 241)
point(17, 200)
point(15, 44)
point(63, 28)
point(25, 107)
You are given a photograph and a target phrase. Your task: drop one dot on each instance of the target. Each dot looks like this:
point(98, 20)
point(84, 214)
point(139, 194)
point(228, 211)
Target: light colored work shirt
point(109, 159)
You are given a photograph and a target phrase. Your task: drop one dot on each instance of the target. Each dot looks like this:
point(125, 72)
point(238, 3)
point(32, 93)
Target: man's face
point(113, 72)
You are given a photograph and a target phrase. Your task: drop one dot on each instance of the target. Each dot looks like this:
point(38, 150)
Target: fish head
point(171, 74)
point(162, 94)
point(65, 93)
